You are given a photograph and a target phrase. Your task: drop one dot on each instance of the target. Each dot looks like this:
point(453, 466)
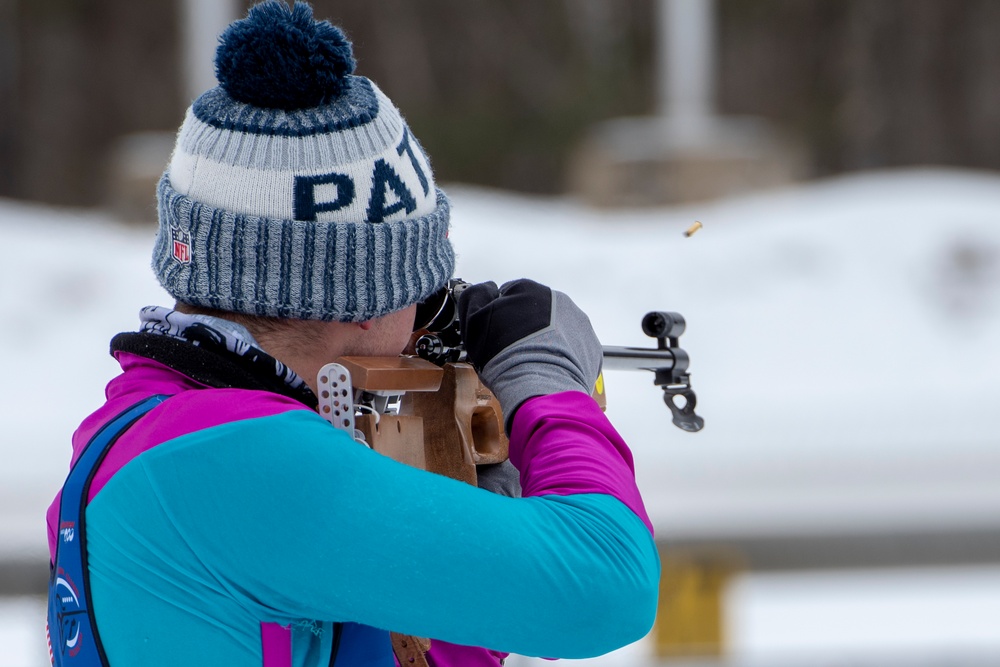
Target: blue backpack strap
point(354, 645)
point(363, 646)
point(357, 645)
point(71, 620)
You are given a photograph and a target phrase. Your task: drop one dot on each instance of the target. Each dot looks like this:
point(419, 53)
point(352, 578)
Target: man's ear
point(366, 325)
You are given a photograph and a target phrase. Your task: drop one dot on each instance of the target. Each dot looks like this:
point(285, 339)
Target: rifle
point(429, 409)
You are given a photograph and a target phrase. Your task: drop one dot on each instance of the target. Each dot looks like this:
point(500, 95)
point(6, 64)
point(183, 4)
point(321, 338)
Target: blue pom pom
point(281, 58)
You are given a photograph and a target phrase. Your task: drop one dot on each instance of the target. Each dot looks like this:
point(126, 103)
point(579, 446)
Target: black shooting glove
point(527, 340)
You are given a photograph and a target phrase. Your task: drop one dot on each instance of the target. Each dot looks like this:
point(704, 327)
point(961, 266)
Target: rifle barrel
point(619, 358)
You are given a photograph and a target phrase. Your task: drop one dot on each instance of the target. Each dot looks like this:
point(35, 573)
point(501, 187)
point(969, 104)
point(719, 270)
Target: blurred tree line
point(500, 92)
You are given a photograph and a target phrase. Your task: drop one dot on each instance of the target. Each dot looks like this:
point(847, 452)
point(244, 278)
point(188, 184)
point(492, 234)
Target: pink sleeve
point(562, 444)
point(443, 654)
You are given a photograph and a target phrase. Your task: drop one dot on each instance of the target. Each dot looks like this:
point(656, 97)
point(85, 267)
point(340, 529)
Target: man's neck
point(305, 347)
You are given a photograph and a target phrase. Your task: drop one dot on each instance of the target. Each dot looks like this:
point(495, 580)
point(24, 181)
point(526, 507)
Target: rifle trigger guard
point(684, 417)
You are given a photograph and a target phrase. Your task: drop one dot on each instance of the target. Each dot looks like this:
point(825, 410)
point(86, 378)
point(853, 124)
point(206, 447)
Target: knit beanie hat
point(295, 188)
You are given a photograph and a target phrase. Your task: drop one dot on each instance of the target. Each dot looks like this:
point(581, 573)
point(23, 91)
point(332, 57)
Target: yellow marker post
point(690, 614)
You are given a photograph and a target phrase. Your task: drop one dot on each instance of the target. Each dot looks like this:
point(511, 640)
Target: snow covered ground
point(843, 344)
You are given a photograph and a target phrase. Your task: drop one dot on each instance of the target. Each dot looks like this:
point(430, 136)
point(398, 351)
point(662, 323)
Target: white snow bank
point(842, 337)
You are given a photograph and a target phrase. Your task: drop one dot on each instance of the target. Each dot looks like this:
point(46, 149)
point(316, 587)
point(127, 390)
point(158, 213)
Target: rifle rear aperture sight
point(438, 339)
point(438, 336)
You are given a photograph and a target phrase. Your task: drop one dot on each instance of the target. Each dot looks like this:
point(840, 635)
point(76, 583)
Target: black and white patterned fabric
point(211, 350)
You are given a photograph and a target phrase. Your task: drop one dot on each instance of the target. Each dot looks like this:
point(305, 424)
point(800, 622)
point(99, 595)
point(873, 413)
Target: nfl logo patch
point(181, 241)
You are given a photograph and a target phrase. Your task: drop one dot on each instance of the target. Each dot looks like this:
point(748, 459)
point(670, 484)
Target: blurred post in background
point(204, 21)
point(137, 160)
point(685, 50)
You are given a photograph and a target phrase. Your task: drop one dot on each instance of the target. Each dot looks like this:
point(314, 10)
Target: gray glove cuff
point(500, 478)
point(565, 356)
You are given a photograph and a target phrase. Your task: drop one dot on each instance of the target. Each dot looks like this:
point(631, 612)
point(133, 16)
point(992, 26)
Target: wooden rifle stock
point(448, 422)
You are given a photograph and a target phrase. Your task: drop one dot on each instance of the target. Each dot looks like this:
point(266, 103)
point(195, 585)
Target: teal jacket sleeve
point(294, 520)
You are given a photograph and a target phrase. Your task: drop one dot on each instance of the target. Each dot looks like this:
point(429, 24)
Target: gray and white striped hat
point(295, 188)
